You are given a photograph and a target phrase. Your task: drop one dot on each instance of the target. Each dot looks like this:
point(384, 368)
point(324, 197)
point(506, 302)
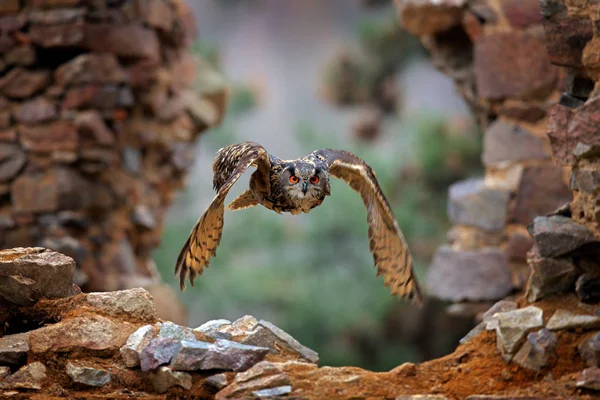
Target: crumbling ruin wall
point(496, 54)
point(97, 113)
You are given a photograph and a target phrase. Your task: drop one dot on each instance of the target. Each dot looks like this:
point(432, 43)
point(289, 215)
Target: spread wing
point(231, 162)
point(390, 251)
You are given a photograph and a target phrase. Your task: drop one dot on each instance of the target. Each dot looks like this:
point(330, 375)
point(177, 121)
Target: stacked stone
point(495, 53)
point(98, 114)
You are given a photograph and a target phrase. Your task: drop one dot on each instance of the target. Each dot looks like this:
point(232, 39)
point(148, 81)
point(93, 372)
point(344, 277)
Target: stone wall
point(494, 50)
point(99, 106)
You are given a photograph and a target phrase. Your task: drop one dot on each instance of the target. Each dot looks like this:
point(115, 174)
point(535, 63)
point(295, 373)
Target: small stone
point(587, 288)
point(512, 327)
point(499, 307)
point(218, 381)
point(29, 377)
point(129, 41)
point(590, 351)
point(91, 68)
point(14, 348)
point(81, 333)
point(169, 330)
point(537, 350)
point(563, 319)
point(30, 274)
point(585, 180)
point(88, 376)
point(589, 379)
point(91, 126)
point(135, 303)
point(241, 326)
point(556, 235)
point(55, 136)
point(158, 352)
point(471, 203)
point(36, 111)
point(265, 334)
point(23, 55)
point(583, 150)
point(223, 354)
point(549, 276)
point(276, 391)
point(20, 83)
point(136, 342)
point(469, 275)
point(12, 161)
point(506, 142)
point(4, 372)
point(143, 217)
point(103, 97)
point(164, 378)
point(405, 370)
point(263, 375)
point(211, 329)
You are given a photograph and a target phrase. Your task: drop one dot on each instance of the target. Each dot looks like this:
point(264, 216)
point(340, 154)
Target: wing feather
point(231, 162)
point(388, 246)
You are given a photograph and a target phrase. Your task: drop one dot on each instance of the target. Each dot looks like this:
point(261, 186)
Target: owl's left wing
point(390, 251)
point(231, 162)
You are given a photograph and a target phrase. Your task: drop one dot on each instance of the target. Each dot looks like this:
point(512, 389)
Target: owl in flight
point(296, 186)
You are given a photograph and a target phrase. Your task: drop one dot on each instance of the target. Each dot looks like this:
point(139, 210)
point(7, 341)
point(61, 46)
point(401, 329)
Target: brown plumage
point(297, 186)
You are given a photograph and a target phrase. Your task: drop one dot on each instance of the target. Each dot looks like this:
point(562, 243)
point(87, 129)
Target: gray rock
point(589, 379)
point(585, 180)
point(218, 381)
point(587, 288)
point(276, 391)
point(471, 203)
point(512, 327)
point(14, 348)
point(164, 378)
point(241, 326)
point(87, 375)
point(263, 375)
point(583, 150)
point(92, 332)
point(563, 319)
point(537, 350)
point(169, 330)
point(4, 372)
point(477, 329)
point(499, 307)
point(469, 275)
point(143, 217)
point(265, 334)
point(504, 142)
point(211, 328)
point(136, 303)
point(33, 273)
point(557, 235)
point(29, 377)
point(590, 351)
point(223, 354)
point(135, 344)
point(158, 352)
point(549, 276)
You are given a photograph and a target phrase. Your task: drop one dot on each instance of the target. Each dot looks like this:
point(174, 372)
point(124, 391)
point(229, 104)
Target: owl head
point(305, 180)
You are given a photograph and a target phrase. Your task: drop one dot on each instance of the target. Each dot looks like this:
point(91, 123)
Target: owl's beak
point(304, 187)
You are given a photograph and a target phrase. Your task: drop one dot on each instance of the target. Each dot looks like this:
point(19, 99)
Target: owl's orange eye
point(294, 179)
point(314, 180)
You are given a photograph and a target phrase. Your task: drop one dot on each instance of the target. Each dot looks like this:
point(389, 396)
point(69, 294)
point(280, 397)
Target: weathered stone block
point(469, 275)
point(129, 41)
point(537, 350)
point(90, 68)
point(61, 35)
point(525, 73)
point(556, 235)
point(36, 111)
point(504, 142)
point(59, 135)
point(20, 83)
point(549, 276)
point(471, 203)
point(590, 350)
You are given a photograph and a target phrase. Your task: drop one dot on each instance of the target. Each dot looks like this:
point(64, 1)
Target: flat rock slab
point(14, 348)
point(266, 334)
point(170, 330)
point(136, 303)
point(563, 319)
point(223, 355)
point(557, 235)
point(512, 326)
point(87, 375)
point(589, 379)
point(29, 377)
point(81, 333)
point(33, 273)
point(158, 352)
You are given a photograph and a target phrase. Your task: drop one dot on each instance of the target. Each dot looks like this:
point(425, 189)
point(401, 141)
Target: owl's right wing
point(231, 162)
point(390, 251)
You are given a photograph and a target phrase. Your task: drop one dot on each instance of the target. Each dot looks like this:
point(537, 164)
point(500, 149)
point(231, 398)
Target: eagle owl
point(296, 186)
